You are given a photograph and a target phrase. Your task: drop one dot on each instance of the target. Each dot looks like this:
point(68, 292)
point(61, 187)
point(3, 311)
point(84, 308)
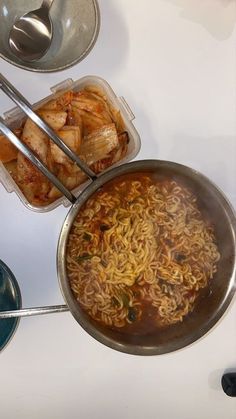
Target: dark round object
point(10, 299)
point(228, 383)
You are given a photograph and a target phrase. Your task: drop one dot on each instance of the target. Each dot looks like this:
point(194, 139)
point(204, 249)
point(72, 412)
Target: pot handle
point(34, 311)
point(20, 100)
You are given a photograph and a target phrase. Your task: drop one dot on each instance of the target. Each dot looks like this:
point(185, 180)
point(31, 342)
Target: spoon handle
point(46, 4)
point(35, 311)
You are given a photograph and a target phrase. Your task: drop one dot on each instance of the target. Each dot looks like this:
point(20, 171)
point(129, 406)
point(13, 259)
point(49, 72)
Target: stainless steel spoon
point(31, 35)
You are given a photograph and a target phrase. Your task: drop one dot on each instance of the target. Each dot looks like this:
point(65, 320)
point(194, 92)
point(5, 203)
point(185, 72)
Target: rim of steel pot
point(219, 294)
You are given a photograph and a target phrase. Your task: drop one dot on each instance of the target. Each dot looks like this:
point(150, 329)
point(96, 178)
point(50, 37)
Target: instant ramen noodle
point(139, 253)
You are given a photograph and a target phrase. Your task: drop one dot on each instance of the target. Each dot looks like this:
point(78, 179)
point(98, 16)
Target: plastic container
point(15, 117)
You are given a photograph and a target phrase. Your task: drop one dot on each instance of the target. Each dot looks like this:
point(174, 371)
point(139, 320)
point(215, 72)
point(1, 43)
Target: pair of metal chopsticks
point(17, 97)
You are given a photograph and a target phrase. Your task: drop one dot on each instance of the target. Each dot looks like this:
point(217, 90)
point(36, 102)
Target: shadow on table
point(149, 137)
point(215, 377)
point(113, 40)
point(218, 17)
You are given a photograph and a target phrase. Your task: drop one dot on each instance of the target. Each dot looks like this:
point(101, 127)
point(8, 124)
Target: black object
point(228, 383)
point(10, 299)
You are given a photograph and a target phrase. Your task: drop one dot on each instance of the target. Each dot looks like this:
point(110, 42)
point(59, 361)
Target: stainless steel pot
point(213, 301)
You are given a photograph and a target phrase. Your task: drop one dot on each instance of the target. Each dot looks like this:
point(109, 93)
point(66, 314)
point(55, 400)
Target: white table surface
point(174, 61)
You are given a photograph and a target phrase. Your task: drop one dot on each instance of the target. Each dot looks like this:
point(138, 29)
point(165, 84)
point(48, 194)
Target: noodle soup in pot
point(139, 253)
point(146, 257)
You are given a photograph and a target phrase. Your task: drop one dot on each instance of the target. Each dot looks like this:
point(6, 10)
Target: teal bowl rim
point(18, 300)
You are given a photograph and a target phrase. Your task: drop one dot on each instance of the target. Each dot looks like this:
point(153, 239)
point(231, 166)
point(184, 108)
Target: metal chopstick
point(28, 153)
point(35, 311)
point(17, 97)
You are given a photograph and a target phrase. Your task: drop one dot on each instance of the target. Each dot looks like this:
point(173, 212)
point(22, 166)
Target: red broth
point(139, 253)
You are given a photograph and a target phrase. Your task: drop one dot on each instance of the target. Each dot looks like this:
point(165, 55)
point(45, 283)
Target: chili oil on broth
point(140, 252)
